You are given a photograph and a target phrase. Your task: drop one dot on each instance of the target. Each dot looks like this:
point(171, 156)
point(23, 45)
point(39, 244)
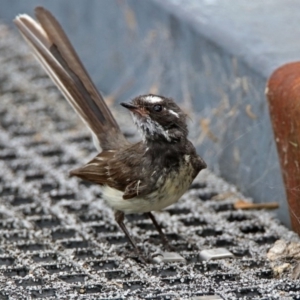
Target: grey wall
point(213, 57)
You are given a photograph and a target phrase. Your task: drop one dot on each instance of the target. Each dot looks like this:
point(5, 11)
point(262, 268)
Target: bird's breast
point(170, 187)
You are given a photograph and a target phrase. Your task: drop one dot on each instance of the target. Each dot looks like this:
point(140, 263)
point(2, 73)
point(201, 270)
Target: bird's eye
point(157, 108)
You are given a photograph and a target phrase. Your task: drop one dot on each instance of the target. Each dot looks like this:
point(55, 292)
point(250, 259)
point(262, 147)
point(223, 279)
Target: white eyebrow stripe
point(153, 99)
point(173, 113)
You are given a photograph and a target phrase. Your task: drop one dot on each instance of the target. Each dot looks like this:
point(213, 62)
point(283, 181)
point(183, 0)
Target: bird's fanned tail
point(54, 51)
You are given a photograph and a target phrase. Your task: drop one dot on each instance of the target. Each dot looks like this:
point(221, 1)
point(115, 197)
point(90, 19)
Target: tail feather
point(54, 51)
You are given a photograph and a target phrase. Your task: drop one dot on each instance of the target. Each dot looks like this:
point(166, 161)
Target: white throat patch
point(148, 127)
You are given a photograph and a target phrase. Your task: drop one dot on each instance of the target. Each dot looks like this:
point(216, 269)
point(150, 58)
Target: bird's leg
point(119, 217)
point(162, 235)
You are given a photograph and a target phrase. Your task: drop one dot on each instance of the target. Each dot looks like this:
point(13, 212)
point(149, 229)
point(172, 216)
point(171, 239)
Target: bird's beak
point(134, 108)
point(129, 106)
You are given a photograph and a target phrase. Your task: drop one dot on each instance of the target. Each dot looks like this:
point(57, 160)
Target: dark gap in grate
point(7, 123)
point(252, 263)
point(3, 296)
point(63, 160)
point(177, 281)
point(136, 217)
point(207, 267)
point(21, 201)
point(22, 272)
point(265, 274)
point(15, 236)
point(28, 68)
point(63, 196)
point(63, 233)
point(116, 239)
point(222, 207)
point(288, 287)
point(224, 277)
point(210, 295)
point(29, 282)
point(133, 285)
point(23, 132)
point(113, 275)
point(80, 139)
point(47, 222)
point(224, 242)
point(44, 293)
point(50, 87)
point(52, 152)
point(73, 278)
point(32, 247)
point(57, 268)
point(12, 90)
point(209, 231)
point(25, 99)
point(193, 221)
point(76, 208)
point(269, 239)
point(105, 228)
point(252, 228)
point(247, 292)
point(240, 252)
point(237, 217)
point(7, 155)
point(198, 185)
point(33, 210)
point(192, 259)
point(34, 176)
point(171, 237)
point(92, 289)
point(160, 297)
point(75, 244)
point(38, 75)
point(8, 224)
point(3, 112)
point(167, 272)
point(178, 211)
point(64, 126)
point(16, 58)
point(87, 147)
point(87, 254)
point(86, 183)
point(183, 246)
point(48, 186)
point(103, 265)
point(19, 166)
point(8, 191)
point(90, 217)
point(6, 261)
point(147, 226)
point(44, 257)
point(4, 80)
point(204, 196)
point(34, 144)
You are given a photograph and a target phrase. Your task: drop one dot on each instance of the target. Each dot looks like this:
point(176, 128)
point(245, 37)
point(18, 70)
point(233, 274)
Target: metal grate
point(58, 239)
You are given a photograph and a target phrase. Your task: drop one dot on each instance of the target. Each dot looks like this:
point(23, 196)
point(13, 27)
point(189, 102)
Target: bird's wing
point(54, 51)
point(122, 173)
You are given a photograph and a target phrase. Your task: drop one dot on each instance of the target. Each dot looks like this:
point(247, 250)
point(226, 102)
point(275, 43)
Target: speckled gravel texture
point(58, 239)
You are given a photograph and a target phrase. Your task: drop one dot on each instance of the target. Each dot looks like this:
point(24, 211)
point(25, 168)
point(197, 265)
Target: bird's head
point(158, 118)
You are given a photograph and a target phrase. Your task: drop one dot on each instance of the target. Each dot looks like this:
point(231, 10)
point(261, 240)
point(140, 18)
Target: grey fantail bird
point(135, 178)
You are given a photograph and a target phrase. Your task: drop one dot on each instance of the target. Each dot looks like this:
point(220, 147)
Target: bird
point(146, 176)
